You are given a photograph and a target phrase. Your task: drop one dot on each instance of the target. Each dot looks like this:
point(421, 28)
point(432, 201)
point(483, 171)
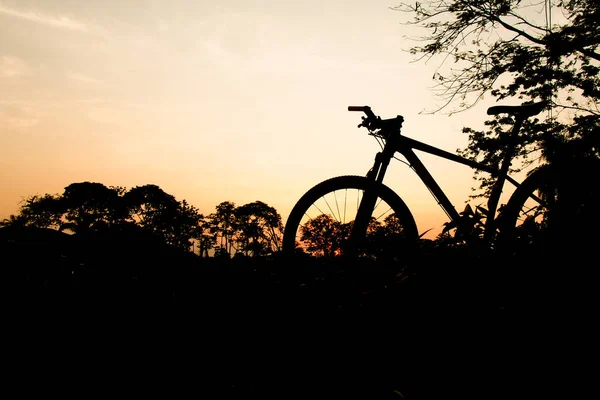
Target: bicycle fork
point(369, 200)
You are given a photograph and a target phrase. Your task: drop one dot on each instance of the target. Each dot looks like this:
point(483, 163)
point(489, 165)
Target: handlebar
point(365, 109)
point(373, 122)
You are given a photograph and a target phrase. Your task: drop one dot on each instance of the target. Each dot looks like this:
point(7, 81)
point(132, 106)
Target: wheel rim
point(532, 218)
point(323, 221)
point(568, 208)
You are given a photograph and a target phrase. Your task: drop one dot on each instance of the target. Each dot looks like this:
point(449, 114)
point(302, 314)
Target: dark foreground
point(170, 324)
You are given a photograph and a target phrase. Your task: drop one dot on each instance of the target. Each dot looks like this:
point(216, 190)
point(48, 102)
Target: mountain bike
point(359, 216)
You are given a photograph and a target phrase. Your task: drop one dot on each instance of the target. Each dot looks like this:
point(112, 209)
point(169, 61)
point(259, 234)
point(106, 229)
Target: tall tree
point(90, 206)
point(149, 205)
point(184, 225)
point(205, 236)
point(259, 228)
point(155, 210)
point(521, 50)
point(40, 212)
point(224, 225)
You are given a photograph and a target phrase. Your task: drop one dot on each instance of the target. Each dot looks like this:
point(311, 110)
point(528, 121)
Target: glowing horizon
point(237, 102)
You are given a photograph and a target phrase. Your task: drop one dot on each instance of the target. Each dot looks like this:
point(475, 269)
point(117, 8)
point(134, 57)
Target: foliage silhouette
point(205, 237)
point(40, 212)
point(253, 229)
point(317, 234)
point(501, 48)
point(223, 223)
point(88, 206)
point(153, 209)
point(323, 236)
point(259, 228)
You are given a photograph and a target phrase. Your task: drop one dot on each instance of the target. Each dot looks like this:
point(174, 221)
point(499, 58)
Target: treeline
point(252, 229)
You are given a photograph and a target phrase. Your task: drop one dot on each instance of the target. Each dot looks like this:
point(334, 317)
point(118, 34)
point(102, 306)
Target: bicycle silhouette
point(359, 216)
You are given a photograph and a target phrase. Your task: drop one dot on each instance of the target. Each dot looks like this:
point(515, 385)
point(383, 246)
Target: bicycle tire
point(571, 207)
point(342, 184)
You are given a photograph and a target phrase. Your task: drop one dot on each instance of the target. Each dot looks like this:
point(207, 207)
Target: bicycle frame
point(395, 142)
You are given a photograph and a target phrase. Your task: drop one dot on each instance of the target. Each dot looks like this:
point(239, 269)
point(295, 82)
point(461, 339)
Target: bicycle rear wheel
point(320, 223)
point(560, 219)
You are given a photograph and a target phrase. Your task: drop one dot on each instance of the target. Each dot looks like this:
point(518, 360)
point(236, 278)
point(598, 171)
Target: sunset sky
point(230, 100)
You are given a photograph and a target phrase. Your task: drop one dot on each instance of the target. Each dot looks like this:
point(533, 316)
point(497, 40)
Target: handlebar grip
point(358, 108)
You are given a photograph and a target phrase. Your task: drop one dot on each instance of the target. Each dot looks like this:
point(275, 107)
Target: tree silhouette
point(223, 226)
point(152, 208)
point(147, 211)
point(184, 225)
point(205, 236)
point(13, 221)
point(503, 49)
point(322, 236)
point(258, 228)
point(489, 39)
point(90, 206)
point(40, 212)
point(149, 206)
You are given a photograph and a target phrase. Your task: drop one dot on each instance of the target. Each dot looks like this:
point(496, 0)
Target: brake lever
point(371, 124)
point(363, 123)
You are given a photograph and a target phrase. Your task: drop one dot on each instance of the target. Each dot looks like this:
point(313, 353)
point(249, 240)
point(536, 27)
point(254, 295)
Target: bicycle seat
point(524, 110)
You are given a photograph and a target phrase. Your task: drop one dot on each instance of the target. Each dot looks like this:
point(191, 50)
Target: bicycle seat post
point(504, 167)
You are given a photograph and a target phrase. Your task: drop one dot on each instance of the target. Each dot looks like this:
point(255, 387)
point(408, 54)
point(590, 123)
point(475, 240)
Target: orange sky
point(238, 100)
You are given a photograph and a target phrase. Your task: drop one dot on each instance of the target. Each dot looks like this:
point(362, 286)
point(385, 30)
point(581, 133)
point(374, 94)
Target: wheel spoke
point(315, 206)
point(345, 200)
point(328, 206)
point(384, 213)
point(337, 206)
point(323, 234)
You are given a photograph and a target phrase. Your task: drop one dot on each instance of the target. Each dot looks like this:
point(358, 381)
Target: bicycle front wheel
point(320, 223)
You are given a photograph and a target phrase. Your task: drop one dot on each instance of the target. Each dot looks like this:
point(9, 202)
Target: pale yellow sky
point(237, 100)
